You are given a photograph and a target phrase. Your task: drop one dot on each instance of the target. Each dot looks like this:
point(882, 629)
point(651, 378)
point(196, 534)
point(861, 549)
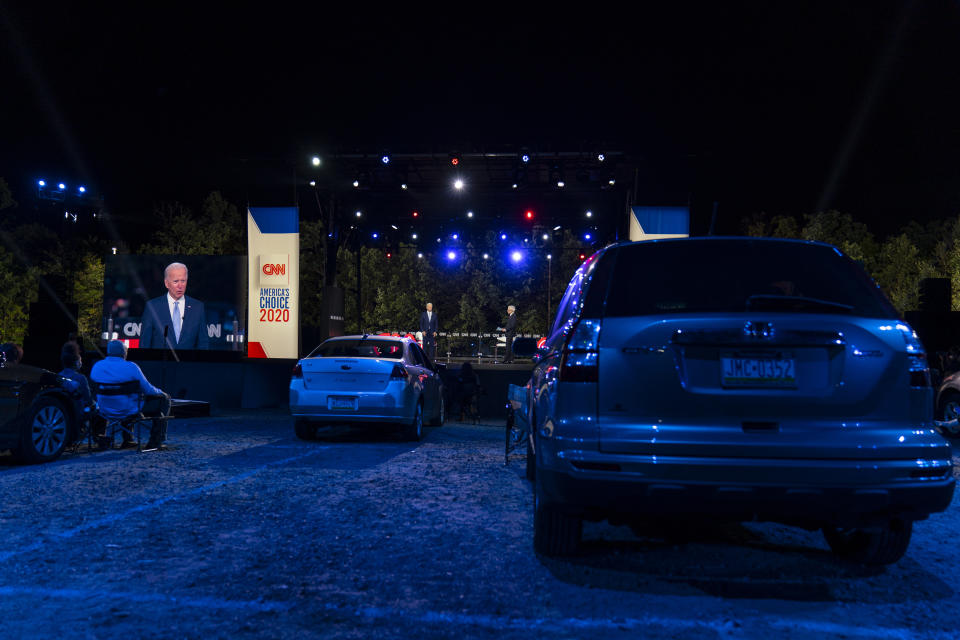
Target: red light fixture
point(416, 214)
point(529, 214)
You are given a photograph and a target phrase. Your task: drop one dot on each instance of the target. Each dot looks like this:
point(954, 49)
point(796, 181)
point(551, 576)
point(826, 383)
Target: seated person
point(70, 358)
point(115, 368)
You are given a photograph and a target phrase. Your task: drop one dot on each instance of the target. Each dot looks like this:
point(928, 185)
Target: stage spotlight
point(455, 159)
point(514, 186)
point(313, 183)
point(611, 182)
point(557, 228)
point(416, 214)
point(419, 255)
point(601, 157)
point(561, 184)
point(455, 236)
point(486, 256)
point(529, 214)
point(385, 159)
point(356, 183)
point(525, 158)
point(404, 186)
point(375, 235)
point(451, 255)
point(503, 236)
point(395, 227)
point(316, 161)
point(413, 236)
point(516, 256)
point(82, 189)
point(546, 236)
point(114, 250)
point(389, 255)
point(359, 214)
point(587, 236)
point(469, 214)
point(62, 186)
point(458, 184)
point(549, 256)
point(583, 257)
point(42, 183)
point(589, 214)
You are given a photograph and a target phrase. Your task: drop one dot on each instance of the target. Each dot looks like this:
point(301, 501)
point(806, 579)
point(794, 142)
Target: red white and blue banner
point(273, 250)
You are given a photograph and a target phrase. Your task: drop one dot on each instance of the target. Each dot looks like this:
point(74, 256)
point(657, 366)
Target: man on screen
point(174, 320)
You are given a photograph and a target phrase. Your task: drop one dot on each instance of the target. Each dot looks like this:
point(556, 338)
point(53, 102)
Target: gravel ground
point(241, 530)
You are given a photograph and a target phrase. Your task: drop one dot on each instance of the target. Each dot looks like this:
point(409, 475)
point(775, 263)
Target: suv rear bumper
point(602, 494)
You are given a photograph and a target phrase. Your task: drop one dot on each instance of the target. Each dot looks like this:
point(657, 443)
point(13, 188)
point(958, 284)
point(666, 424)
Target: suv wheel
point(555, 533)
point(45, 431)
point(880, 546)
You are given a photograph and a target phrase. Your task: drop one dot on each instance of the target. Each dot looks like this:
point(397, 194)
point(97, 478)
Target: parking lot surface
point(241, 530)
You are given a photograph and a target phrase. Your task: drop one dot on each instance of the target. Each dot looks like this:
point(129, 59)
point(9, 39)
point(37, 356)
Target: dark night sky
point(772, 106)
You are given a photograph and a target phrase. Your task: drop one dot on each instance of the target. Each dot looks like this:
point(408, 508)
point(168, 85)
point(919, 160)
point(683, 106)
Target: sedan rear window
point(740, 275)
point(359, 349)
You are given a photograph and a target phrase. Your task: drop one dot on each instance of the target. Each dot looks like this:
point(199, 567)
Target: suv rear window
point(691, 276)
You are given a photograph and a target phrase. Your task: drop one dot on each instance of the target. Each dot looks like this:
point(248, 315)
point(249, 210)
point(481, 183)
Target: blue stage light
point(385, 159)
point(62, 186)
point(587, 236)
point(525, 158)
point(455, 236)
point(375, 235)
point(82, 189)
point(503, 236)
point(516, 256)
point(42, 183)
point(451, 255)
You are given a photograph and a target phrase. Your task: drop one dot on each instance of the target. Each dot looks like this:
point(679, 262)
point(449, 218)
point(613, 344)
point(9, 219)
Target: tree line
point(470, 293)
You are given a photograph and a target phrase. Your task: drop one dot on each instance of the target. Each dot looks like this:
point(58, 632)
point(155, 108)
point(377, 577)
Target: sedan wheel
point(414, 431)
point(441, 413)
point(949, 409)
point(45, 433)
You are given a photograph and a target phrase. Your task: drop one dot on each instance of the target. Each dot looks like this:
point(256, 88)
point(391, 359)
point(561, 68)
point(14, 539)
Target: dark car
point(738, 378)
point(38, 416)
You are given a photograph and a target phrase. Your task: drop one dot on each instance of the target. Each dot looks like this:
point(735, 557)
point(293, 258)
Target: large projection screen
point(216, 290)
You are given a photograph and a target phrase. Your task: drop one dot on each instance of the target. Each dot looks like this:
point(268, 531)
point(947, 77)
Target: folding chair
point(123, 423)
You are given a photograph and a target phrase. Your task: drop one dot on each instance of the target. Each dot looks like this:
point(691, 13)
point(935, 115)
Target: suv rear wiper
point(793, 303)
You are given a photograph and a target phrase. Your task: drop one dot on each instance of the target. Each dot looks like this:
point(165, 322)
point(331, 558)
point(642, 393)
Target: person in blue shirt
point(115, 368)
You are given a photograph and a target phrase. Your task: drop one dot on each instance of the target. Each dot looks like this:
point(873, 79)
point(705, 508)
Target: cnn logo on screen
point(274, 269)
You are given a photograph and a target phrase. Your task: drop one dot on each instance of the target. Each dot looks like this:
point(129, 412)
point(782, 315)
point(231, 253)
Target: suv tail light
point(579, 361)
point(398, 373)
point(916, 357)
point(297, 371)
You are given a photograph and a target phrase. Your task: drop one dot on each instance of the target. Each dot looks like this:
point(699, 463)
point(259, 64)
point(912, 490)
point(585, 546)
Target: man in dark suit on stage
point(174, 320)
point(429, 327)
point(510, 330)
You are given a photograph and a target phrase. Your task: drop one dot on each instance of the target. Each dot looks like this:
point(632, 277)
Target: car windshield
point(359, 348)
point(741, 275)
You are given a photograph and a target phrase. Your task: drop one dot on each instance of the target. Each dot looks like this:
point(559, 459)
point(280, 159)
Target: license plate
point(758, 372)
point(342, 403)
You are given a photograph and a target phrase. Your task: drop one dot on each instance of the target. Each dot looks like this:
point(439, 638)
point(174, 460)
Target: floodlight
point(316, 161)
point(458, 184)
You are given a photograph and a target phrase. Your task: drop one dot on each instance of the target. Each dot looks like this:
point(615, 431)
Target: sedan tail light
point(398, 373)
point(579, 360)
point(297, 371)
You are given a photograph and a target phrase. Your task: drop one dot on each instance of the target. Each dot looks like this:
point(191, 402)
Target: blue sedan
point(366, 379)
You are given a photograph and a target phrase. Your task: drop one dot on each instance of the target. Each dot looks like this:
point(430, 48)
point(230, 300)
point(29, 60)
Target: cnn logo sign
point(273, 269)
